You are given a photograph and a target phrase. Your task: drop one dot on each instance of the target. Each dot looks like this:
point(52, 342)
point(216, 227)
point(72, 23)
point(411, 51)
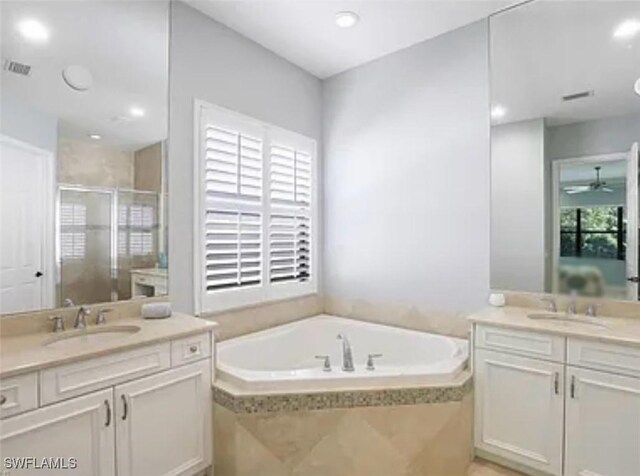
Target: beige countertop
point(27, 352)
point(619, 330)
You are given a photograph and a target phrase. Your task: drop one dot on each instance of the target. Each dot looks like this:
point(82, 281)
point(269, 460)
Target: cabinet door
point(163, 422)
point(603, 424)
point(80, 430)
point(519, 409)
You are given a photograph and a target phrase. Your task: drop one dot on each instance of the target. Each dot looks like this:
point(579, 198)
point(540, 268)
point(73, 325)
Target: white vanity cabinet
point(141, 412)
point(519, 409)
point(79, 431)
point(163, 422)
point(602, 424)
point(557, 405)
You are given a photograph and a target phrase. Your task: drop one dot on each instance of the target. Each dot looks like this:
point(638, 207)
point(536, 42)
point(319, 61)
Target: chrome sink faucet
point(347, 355)
point(81, 318)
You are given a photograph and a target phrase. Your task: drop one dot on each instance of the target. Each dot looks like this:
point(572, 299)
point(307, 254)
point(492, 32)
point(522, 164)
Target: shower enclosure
point(101, 235)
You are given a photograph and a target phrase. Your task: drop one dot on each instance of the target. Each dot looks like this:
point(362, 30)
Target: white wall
point(20, 121)
point(407, 176)
point(211, 62)
point(601, 136)
point(518, 206)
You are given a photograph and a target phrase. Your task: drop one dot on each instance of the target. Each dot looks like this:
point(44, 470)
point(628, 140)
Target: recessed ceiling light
point(33, 30)
point(636, 87)
point(136, 111)
point(95, 136)
point(627, 30)
point(346, 19)
point(498, 112)
point(77, 77)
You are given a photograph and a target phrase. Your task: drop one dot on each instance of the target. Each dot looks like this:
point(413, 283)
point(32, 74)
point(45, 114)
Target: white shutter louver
point(290, 220)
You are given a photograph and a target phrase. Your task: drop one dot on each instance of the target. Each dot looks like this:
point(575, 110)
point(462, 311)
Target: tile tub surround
point(250, 319)
point(447, 323)
point(241, 402)
point(394, 440)
point(27, 352)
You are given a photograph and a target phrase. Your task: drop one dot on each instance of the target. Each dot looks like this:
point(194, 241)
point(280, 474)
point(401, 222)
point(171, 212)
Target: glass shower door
point(85, 245)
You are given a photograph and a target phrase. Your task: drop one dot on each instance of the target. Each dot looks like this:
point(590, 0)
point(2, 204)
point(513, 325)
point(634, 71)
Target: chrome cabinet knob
point(3, 399)
point(193, 349)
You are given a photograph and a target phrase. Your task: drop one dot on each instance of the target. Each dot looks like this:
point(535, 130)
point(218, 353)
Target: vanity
point(131, 397)
point(556, 397)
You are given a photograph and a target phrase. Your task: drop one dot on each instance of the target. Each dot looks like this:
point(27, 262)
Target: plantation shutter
point(233, 195)
point(290, 192)
point(255, 205)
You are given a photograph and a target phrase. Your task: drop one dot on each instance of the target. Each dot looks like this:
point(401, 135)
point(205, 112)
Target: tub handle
point(326, 366)
point(370, 358)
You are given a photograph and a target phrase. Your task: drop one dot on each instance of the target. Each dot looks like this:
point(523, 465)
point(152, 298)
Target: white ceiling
point(305, 33)
point(544, 50)
point(123, 44)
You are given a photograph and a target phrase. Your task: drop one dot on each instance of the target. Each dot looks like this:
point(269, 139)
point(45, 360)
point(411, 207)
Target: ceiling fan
point(597, 186)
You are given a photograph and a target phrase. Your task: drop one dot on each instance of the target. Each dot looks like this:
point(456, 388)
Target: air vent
point(18, 68)
point(580, 95)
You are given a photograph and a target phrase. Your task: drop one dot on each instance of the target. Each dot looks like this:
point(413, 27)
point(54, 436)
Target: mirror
point(83, 202)
point(565, 108)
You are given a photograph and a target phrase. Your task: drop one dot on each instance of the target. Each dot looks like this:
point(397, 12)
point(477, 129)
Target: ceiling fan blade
point(573, 191)
point(606, 189)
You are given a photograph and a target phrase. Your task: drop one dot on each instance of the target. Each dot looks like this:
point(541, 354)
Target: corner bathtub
point(284, 357)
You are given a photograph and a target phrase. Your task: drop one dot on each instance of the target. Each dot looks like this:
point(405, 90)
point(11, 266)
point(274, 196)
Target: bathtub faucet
point(347, 355)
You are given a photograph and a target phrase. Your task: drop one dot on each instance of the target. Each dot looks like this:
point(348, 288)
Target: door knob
point(38, 274)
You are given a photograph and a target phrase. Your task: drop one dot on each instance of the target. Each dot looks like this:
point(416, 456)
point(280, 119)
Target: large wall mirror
point(83, 203)
point(565, 89)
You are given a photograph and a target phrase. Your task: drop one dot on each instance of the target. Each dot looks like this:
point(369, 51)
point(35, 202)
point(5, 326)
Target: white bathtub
point(284, 357)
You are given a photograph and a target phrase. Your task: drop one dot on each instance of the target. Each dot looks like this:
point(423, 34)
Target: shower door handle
point(634, 279)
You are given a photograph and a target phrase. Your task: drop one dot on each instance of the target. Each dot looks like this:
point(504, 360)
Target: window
point(596, 232)
point(255, 211)
point(73, 230)
point(136, 224)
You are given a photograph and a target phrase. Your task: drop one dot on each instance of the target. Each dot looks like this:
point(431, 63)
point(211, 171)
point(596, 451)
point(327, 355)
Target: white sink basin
point(93, 336)
point(566, 319)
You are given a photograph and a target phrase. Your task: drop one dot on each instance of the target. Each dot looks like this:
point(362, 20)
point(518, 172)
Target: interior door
point(632, 223)
point(602, 424)
point(26, 230)
point(77, 435)
point(163, 423)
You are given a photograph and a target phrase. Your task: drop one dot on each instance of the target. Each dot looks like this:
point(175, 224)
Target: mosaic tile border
point(340, 399)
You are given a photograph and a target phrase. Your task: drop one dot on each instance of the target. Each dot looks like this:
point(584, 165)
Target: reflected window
point(136, 224)
point(592, 232)
point(73, 230)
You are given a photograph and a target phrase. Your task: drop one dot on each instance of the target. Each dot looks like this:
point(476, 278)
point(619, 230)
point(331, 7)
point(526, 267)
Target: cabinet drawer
point(530, 344)
point(620, 359)
point(68, 381)
point(190, 349)
point(18, 394)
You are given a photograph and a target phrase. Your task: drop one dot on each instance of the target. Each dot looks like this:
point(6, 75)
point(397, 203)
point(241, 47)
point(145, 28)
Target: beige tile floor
point(484, 468)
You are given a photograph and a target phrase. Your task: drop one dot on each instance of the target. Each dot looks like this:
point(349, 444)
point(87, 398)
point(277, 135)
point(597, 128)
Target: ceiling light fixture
point(498, 112)
point(95, 136)
point(627, 30)
point(346, 19)
point(33, 30)
point(136, 111)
